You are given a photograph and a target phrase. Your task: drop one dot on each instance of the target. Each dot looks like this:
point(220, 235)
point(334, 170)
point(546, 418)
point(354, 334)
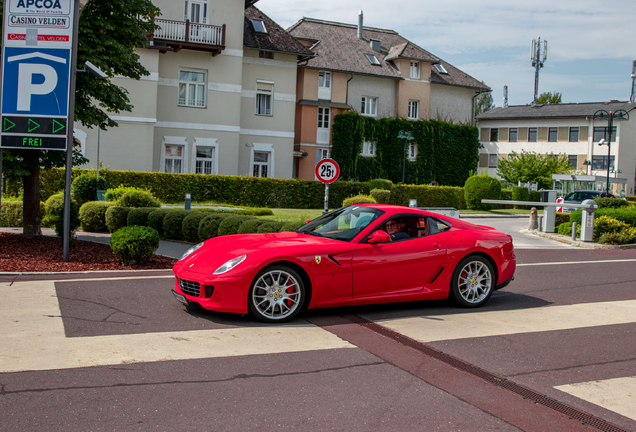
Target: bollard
point(587, 221)
point(188, 201)
point(573, 230)
point(532, 224)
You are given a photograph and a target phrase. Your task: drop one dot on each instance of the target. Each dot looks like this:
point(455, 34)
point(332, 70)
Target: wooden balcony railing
point(184, 34)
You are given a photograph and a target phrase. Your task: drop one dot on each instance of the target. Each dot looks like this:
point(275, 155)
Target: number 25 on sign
point(327, 171)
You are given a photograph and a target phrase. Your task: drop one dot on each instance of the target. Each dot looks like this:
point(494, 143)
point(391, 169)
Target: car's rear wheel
point(277, 294)
point(473, 281)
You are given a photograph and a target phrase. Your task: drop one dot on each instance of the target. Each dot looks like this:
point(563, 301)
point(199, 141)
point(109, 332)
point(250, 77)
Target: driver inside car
point(395, 229)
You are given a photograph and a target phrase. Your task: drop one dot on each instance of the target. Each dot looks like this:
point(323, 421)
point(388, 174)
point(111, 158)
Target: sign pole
point(326, 198)
point(4, 12)
point(69, 133)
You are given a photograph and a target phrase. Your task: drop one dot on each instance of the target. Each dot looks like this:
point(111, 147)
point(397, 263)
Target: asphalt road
point(555, 350)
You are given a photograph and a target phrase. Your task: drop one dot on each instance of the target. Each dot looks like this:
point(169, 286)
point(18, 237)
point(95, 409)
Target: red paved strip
point(499, 402)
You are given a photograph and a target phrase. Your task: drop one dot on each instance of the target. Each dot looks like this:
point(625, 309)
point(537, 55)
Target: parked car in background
point(578, 196)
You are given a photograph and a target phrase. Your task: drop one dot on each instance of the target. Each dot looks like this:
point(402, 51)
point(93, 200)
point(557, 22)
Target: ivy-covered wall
point(446, 152)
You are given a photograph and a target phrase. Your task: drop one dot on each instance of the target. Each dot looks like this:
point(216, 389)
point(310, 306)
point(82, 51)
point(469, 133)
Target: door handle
point(435, 245)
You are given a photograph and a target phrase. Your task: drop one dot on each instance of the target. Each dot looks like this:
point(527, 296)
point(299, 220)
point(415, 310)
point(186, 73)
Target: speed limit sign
point(327, 171)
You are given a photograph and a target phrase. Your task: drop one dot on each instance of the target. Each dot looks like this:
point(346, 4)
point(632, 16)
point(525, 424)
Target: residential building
point(375, 72)
point(220, 97)
point(562, 129)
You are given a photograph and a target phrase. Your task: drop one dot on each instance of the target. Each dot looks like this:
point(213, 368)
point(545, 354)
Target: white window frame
point(324, 85)
point(322, 133)
point(369, 148)
point(369, 106)
point(321, 153)
point(255, 26)
point(492, 156)
point(187, 12)
point(262, 147)
point(415, 70)
point(414, 109)
point(373, 60)
point(266, 90)
point(412, 152)
point(205, 142)
point(174, 141)
point(196, 84)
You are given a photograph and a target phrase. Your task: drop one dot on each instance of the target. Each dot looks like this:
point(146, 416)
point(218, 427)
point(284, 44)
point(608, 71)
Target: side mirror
point(379, 237)
point(307, 221)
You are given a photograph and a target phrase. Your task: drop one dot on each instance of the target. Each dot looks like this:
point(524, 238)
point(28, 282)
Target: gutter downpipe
point(472, 110)
point(347, 96)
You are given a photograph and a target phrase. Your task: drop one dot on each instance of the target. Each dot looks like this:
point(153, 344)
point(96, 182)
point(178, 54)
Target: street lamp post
point(406, 136)
point(602, 115)
point(587, 164)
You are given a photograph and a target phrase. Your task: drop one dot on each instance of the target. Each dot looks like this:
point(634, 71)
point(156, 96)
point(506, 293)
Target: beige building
point(220, 97)
point(377, 73)
point(562, 129)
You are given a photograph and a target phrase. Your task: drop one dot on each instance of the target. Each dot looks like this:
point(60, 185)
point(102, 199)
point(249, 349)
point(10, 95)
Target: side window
point(436, 226)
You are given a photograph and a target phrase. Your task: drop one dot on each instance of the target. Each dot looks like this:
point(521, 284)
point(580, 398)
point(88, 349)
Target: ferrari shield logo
point(318, 259)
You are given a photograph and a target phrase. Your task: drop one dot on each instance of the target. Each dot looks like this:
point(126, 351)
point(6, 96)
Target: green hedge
point(11, 215)
point(209, 225)
point(139, 216)
point(155, 220)
point(627, 215)
point(173, 224)
point(231, 224)
point(481, 187)
point(234, 190)
point(190, 226)
point(429, 196)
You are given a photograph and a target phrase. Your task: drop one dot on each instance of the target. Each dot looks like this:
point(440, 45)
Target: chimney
point(376, 45)
point(360, 25)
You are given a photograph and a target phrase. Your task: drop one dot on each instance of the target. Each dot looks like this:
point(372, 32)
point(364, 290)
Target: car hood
point(217, 251)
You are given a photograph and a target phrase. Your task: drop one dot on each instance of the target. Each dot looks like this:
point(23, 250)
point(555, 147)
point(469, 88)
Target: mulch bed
point(45, 254)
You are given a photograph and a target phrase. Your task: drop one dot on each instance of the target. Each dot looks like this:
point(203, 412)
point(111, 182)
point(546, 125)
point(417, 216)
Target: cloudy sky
point(591, 44)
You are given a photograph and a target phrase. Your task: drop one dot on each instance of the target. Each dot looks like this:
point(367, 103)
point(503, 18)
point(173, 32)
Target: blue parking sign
point(36, 81)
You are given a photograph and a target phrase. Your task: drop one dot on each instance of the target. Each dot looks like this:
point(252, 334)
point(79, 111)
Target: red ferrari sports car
point(356, 255)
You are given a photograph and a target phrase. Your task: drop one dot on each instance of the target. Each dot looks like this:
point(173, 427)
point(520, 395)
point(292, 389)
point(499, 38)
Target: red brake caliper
point(290, 290)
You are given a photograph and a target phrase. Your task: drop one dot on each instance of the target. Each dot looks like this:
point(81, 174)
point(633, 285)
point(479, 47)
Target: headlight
point(192, 249)
point(229, 265)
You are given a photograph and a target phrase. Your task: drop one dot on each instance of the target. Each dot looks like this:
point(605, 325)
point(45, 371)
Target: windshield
point(342, 224)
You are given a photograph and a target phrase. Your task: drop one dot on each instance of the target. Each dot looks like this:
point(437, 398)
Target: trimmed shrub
point(625, 236)
point(381, 195)
point(134, 245)
point(534, 196)
point(11, 215)
point(565, 229)
point(520, 193)
point(292, 226)
point(480, 187)
point(138, 198)
point(116, 217)
point(250, 226)
point(270, 227)
point(607, 225)
point(383, 184)
point(54, 208)
point(115, 194)
point(230, 225)
point(610, 202)
point(173, 224)
point(84, 187)
point(74, 223)
point(358, 199)
point(506, 194)
point(92, 216)
point(190, 226)
point(626, 214)
point(139, 216)
point(209, 226)
point(429, 196)
point(155, 220)
point(561, 218)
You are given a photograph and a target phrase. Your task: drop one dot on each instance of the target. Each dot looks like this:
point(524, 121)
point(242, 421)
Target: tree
point(532, 167)
point(483, 102)
point(549, 98)
point(109, 34)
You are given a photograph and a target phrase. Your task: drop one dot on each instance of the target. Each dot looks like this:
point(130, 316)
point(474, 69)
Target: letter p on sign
point(27, 86)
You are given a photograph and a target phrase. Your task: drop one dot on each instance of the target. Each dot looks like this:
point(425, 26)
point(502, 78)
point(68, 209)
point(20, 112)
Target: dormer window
point(373, 60)
point(439, 68)
point(259, 26)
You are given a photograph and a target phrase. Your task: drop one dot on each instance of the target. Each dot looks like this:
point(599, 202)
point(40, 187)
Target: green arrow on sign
point(31, 127)
point(8, 124)
point(57, 123)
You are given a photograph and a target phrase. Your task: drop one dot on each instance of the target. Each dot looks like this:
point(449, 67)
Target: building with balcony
point(220, 97)
point(375, 72)
point(562, 129)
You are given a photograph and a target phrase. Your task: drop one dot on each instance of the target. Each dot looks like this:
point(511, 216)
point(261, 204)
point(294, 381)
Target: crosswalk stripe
point(616, 394)
point(498, 323)
point(33, 337)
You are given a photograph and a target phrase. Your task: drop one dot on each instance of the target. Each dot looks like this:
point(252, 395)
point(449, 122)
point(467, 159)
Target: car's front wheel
point(473, 281)
point(277, 294)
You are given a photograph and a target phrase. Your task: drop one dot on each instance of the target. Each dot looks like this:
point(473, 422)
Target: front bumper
point(221, 294)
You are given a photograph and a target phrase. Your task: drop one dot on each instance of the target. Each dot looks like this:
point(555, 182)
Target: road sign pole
point(326, 198)
point(69, 133)
point(4, 11)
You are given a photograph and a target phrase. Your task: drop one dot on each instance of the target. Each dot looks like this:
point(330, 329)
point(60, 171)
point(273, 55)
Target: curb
point(579, 243)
